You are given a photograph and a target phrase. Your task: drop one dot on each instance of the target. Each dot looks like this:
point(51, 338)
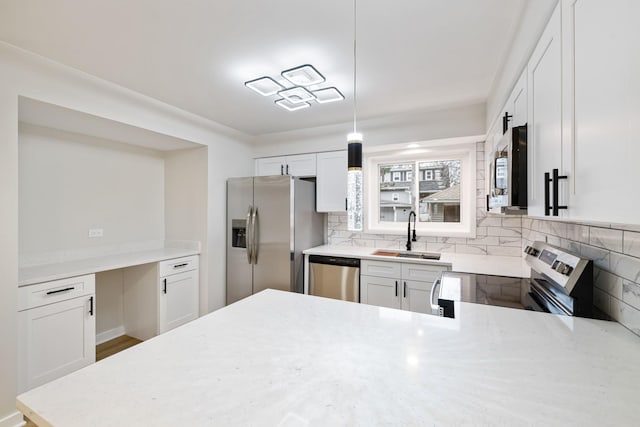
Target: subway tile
point(364, 243)
point(541, 226)
point(388, 244)
point(558, 229)
point(631, 243)
point(599, 256)
point(629, 317)
point(631, 294)
point(481, 231)
point(570, 246)
point(340, 242)
point(440, 247)
point(606, 238)
point(504, 251)
point(608, 282)
point(602, 300)
point(491, 221)
point(471, 249)
point(485, 240)
point(578, 233)
point(627, 227)
point(625, 266)
point(527, 222)
point(512, 222)
point(454, 240)
point(510, 241)
point(554, 240)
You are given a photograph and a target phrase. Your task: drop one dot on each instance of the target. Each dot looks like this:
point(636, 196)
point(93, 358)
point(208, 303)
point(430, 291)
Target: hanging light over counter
point(354, 140)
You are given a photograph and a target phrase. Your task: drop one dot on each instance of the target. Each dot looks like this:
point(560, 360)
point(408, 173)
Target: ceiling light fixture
point(304, 75)
point(290, 106)
point(265, 86)
point(296, 95)
point(354, 153)
point(330, 94)
point(302, 78)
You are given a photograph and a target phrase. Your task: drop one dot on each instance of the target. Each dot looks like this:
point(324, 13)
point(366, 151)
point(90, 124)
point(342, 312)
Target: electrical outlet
point(96, 232)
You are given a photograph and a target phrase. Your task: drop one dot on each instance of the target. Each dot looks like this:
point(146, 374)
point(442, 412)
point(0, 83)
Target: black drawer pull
point(181, 265)
point(396, 288)
point(91, 306)
point(61, 290)
point(164, 288)
point(404, 291)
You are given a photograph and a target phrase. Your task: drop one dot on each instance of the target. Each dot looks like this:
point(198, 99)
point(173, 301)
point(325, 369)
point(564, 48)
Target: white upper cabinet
point(331, 181)
point(544, 139)
point(517, 103)
point(601, 90)
point(303, 165)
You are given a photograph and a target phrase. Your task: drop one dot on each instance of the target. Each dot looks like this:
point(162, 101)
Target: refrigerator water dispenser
point(239, 233)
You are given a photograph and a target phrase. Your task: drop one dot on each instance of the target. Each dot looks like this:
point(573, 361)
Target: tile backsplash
point(614, 248)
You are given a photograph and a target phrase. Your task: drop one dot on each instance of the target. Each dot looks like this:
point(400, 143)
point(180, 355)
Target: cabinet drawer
point(381, 269)
point(55, 291)
point(424, 273)
point(178, 265)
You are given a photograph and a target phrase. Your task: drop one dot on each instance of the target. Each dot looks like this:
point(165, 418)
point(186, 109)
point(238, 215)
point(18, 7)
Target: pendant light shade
point(354, 140)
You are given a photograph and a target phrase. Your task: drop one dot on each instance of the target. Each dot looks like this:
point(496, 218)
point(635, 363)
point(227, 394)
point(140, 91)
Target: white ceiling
point(412, 54)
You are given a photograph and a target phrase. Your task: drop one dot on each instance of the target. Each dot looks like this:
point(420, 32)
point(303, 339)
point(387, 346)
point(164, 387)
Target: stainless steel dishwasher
point(334, 277)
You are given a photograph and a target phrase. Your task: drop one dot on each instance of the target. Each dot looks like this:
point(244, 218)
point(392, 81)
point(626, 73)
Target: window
point(437, 184)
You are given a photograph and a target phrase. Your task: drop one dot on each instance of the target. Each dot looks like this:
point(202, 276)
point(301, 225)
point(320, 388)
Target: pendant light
point(354, 141)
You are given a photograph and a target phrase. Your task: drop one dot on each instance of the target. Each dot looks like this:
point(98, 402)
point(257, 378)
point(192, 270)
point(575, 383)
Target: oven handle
point(436, 284)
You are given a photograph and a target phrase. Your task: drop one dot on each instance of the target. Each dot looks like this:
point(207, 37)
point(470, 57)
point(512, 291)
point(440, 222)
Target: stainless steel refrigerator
point(270, 221)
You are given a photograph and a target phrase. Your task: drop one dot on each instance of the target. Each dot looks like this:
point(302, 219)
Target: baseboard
point(12, 420)
point(108, 335)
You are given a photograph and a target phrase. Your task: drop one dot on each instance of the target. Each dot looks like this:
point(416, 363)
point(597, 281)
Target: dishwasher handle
point(332, 260)
point(435, 307)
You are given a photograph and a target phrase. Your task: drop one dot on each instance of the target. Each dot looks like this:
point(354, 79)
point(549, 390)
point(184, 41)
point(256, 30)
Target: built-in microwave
point(508, 173)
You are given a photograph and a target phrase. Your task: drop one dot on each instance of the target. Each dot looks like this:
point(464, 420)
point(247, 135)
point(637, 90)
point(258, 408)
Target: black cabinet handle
point(164, 288)
point(60, 290)
point(487, 203)
point(281, 169)
point(556, 190)
point(287, 169)
point(396, 288)
point(404, 291)
point(547, 197)
point(91, 306)
point(181, 265)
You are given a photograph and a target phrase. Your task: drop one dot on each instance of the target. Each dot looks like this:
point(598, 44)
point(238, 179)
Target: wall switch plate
point(96, 232)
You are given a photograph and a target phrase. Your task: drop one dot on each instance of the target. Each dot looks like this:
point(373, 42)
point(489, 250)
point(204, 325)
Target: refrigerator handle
point(255, 234)
point(249, 235)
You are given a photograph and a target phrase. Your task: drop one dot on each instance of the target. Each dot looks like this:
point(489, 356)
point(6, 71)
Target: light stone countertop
point(60, 270)
point(285, 359)
point(463, 263)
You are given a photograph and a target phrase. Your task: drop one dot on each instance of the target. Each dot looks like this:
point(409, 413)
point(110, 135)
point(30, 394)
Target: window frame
point(466, 153)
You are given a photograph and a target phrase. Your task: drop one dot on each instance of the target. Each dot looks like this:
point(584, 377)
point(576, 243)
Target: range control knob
point(567, 270)
point(531, 251)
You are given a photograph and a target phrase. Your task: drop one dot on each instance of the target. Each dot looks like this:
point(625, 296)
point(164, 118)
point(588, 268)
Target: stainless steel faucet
point(409, 238)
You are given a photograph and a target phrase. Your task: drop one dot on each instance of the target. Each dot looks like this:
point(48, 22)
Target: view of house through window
point(430, 188)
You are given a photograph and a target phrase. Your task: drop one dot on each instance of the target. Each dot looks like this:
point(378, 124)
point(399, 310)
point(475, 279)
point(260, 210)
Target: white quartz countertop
point(285, 359)
point(464, 263)
point(61, 270)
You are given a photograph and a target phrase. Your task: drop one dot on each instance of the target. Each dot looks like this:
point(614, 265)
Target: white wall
point(26, 74)
point(529, 28)
point(69, 183)
point(417, 126)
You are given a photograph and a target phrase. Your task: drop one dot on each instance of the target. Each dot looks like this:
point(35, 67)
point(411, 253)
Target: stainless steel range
point(560, 283)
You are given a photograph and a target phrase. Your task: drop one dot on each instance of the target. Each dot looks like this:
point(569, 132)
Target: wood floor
point(114, 346)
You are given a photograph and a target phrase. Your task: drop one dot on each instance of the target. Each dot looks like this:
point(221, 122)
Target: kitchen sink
point(408, 254)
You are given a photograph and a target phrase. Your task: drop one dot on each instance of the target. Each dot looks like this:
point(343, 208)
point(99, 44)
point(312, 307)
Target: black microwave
point(508, 173)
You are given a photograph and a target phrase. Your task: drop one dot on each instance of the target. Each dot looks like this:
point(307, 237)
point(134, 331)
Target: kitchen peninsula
point(279, 358)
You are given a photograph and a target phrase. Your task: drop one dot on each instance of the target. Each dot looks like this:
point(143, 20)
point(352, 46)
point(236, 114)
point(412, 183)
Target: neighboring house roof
point(451, 194)
point(434, 185)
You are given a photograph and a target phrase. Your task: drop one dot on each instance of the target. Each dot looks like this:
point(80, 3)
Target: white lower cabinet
point(159, 297)
point(56, 329)
point(406, 286)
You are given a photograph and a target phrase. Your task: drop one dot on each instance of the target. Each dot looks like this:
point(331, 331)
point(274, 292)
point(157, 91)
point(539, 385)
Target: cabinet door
point(300, 165)
point(380, 291)
point(415, 296)
point(331, 182)
point(55, 340)
point(270, 166)
point(545, 114)
point(517, 106)
point(178, 300)
point(602, 65)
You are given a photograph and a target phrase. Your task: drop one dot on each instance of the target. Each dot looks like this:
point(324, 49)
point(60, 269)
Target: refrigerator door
point(273, 233)
point(239, 268)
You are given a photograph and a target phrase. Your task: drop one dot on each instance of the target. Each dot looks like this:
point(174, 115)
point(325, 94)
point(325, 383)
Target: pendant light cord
point(354, 65)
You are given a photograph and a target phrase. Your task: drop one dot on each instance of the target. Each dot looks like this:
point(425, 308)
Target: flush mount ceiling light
point(305, 80)
point(290, 106)
point(304, 75)
point(330, 94)
point(296, 95)
point(265, 86)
